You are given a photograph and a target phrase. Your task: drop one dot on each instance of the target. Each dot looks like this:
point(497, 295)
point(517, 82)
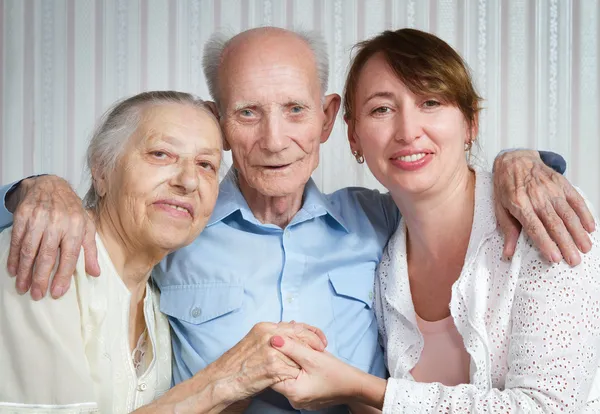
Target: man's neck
point(271, 210)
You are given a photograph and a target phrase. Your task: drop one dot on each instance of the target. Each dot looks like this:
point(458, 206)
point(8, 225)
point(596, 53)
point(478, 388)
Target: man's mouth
point(276, 167)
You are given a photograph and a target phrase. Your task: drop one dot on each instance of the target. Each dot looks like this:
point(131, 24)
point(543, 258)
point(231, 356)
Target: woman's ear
point(474, 127)
point(99, 182)
point(353, 140)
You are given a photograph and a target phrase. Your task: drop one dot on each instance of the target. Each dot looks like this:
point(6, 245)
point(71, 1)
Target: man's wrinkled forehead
point(253, 66)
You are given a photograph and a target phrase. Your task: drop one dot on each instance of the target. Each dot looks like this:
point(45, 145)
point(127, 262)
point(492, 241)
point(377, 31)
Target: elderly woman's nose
point(185, 176)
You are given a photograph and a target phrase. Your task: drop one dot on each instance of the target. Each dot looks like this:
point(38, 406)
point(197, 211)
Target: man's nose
point(273, 137)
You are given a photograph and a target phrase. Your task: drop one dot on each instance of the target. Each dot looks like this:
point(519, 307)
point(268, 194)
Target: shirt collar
point(230, 200)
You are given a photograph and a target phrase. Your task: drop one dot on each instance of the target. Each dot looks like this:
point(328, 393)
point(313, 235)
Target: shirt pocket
point(355, 327)
point(198, 304)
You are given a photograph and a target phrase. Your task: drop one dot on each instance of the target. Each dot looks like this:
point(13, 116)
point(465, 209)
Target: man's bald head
point(273, 42)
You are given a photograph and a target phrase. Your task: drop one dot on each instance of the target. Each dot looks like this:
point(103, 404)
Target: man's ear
point(331, 106)
point(212, 107)
point(352, 139)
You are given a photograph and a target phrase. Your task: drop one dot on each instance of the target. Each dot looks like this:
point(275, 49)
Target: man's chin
point(281, 187)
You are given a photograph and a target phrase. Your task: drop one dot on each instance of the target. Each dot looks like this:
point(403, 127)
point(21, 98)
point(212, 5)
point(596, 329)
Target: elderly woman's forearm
point(198, 395)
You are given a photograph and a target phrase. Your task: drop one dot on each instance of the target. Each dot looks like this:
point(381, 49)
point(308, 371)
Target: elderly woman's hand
point(548, 207)
point(48, 215)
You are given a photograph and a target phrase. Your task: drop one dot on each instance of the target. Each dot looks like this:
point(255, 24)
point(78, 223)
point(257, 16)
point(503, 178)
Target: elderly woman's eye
point(206, 165)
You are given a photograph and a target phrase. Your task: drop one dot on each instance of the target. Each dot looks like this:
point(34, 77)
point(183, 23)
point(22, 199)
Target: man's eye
point(296, 109)
point(159, 154)
point(246, 112)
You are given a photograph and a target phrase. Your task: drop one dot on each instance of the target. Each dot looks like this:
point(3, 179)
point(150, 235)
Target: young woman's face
point(411, 143)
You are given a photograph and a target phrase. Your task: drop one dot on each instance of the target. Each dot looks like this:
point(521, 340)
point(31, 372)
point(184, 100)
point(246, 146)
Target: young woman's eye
point(431, 103)
point(381, 110)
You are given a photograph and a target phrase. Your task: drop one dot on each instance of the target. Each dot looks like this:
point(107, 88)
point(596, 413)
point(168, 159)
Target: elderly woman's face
point(165, 187)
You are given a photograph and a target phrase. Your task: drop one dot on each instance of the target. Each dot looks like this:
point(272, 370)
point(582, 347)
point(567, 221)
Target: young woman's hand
point(324, 380)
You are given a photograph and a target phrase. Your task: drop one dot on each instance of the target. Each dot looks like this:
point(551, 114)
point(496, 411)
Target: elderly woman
point(463, 330)
point(105, 346)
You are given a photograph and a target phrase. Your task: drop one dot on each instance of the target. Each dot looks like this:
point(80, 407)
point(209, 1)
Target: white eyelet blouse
point(532, 329)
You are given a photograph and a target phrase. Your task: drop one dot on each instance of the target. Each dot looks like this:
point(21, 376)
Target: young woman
point(464, 331)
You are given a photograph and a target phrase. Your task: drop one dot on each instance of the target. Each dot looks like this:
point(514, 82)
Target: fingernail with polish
point(277, 341)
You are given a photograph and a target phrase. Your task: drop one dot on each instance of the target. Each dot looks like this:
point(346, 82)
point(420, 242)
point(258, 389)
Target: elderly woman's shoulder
point(80, 277)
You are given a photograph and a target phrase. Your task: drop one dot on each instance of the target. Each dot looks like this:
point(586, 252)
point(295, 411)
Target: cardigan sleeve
point(43, 364)
point(554, 351)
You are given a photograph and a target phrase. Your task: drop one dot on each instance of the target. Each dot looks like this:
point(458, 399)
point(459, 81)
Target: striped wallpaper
point(62, 62)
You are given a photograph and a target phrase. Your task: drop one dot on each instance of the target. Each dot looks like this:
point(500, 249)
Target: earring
point(468, 146)
point(359, 157)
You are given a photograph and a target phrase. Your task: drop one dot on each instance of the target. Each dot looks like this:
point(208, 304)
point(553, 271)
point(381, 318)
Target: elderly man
point(276, 248)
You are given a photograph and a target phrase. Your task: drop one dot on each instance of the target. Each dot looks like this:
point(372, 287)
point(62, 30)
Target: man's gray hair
point(116, 126)
point(218, 41)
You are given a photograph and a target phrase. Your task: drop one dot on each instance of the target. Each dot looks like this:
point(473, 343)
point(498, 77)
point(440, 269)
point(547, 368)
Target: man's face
point(273, 117)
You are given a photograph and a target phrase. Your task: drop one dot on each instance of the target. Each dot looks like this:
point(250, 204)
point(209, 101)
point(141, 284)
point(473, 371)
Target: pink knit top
point(444, 358)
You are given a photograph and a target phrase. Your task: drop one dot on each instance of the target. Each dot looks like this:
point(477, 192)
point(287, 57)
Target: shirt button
point(196, 312)
point(143, 386)
point(290, 298)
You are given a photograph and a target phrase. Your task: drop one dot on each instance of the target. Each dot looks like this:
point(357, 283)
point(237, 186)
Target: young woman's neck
point(439, 222)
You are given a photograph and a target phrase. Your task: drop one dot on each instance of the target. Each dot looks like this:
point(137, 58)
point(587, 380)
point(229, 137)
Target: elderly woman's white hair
point(116, 126)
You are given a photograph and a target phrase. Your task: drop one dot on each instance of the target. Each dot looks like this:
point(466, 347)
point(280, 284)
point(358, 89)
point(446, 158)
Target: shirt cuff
point(551, 159)
point(554, 161)
point(6, 217)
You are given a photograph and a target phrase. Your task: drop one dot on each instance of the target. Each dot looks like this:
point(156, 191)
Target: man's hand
point(48, 216)
point(548, 207)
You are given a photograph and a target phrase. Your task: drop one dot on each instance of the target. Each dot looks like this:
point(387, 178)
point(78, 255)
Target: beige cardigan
point(72, 355)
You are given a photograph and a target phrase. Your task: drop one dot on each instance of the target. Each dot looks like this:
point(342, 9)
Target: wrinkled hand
point(323, 381)
point(552, 212)
point(49, 216)
point(253, 365)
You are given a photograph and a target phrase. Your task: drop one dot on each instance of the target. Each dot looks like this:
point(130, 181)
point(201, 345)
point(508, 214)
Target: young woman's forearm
point(371, 391)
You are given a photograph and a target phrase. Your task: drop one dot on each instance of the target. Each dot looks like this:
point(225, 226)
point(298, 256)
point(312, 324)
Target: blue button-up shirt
point(318, 270)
